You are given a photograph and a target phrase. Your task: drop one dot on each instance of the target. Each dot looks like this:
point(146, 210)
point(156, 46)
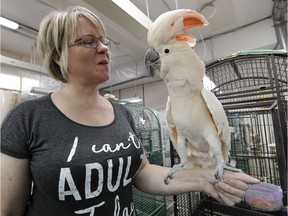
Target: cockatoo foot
point(174, 169)
point(219, 171)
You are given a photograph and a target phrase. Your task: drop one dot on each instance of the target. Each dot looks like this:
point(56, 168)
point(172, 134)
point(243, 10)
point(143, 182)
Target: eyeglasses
point(90, 41)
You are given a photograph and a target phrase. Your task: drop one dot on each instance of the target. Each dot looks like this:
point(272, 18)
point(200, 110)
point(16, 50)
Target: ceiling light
point(133, 100)
point(135, 12)
point(8, 23)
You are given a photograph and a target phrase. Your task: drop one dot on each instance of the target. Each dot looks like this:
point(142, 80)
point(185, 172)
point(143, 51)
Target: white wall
point(135, 91)
point(155, 95)
point(257, 36)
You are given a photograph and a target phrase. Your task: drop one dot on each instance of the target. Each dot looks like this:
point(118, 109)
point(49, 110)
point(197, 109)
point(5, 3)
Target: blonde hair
point(57, 30)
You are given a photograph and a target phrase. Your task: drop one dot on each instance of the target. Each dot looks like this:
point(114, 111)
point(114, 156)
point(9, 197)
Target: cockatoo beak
point(152, 61)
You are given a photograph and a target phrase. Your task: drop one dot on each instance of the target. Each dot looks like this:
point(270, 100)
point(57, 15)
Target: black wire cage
point(252, 88)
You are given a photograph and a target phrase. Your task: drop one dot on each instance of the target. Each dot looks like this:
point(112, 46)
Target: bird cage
point(149, 132)
point(252, 87)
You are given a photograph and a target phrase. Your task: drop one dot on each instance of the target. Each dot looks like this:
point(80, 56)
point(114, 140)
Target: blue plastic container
point(264, 197)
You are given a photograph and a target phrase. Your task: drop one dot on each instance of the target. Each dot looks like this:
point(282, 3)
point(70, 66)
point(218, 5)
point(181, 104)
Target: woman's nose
point(102, 48)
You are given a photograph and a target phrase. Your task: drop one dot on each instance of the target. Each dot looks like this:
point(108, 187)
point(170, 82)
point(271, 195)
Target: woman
point(79, 149)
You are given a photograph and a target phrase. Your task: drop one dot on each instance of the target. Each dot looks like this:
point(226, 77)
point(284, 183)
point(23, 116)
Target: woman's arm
point(15, 185)
point(150, 179)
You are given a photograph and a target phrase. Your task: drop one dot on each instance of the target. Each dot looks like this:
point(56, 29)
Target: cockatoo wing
point(170, 124)
point(220, 119)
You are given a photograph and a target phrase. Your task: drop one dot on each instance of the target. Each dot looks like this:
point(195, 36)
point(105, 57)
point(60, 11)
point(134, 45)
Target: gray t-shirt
point(76, 169)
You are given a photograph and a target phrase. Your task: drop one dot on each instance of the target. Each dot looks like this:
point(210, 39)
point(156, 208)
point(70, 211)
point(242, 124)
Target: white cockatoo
point(197, 123)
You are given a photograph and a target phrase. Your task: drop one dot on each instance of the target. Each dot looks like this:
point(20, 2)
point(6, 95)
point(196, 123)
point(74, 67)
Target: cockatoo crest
point(180, 20)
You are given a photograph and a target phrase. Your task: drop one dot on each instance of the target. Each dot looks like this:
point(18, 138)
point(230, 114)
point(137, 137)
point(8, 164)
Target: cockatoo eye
point(166, 51)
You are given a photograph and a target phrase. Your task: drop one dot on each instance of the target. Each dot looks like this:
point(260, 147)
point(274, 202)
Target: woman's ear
point(56, 58)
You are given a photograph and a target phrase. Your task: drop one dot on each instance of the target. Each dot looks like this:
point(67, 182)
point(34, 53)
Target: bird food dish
point(264, 197)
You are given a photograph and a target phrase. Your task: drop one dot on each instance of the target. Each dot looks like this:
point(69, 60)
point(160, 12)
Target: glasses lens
point(89, 41)
point(104, 41)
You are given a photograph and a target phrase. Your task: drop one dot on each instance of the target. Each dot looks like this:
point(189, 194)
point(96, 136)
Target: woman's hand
point(150, 179)
point(232, 189)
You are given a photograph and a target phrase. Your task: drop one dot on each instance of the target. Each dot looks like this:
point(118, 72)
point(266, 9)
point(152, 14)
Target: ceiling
point(127, 35)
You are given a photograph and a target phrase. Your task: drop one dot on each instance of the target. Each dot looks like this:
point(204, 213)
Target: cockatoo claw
point(174, 169)
point(166, 180)
point(219, 171)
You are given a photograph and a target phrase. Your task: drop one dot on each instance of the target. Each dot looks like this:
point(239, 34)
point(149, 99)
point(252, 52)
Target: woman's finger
point(240, 176)
point(226, 188)
point(211, 191)
point(235, 183)
point(233, 194)
point(225, 200)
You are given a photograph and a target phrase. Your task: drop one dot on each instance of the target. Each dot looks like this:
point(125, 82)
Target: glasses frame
point(103, 40)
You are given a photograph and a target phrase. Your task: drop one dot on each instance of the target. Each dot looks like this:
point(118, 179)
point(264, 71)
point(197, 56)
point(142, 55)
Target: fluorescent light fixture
point(135, 12)
point(8, 23)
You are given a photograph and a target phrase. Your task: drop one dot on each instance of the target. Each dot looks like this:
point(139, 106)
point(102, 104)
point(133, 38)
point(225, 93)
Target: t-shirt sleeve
point(15, 132)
